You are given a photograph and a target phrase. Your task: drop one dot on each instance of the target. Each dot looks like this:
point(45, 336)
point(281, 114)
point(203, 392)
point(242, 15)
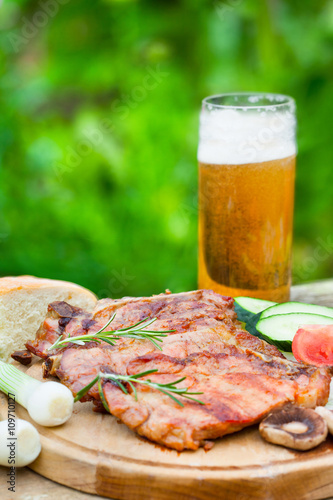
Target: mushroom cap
point(294, 427)
point(327, 416)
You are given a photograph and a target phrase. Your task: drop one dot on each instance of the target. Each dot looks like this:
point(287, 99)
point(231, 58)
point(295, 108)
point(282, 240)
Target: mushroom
point(327, 416)
point(294, 427)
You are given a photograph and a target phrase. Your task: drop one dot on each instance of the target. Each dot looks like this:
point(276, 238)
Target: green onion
point(19, 443)
point(48, 403)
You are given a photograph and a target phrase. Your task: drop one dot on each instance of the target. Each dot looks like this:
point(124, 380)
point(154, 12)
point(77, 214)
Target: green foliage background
point(98, 174)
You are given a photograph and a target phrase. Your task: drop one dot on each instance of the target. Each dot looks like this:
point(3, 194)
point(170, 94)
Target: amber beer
point(246, 195)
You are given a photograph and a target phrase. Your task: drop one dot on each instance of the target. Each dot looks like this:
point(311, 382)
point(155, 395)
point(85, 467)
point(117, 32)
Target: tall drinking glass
point(246, 155)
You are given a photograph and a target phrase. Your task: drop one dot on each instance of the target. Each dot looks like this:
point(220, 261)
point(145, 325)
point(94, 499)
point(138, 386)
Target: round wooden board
point(95, 453)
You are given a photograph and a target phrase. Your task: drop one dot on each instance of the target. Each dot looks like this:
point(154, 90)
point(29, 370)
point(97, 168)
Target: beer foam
point(245, 135)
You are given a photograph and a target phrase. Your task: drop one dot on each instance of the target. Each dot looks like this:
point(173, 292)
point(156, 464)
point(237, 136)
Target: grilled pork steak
point(199, 311)
point(201, 316)
point(239, 389)
point(242, 377)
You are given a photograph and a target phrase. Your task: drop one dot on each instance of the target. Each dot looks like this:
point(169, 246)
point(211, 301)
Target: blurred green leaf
point(99, 119)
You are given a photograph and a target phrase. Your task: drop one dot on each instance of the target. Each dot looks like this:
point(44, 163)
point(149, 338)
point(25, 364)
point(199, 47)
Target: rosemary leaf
point(143, 374)
point(134, 390)
point(136, 331)
point(169, 389)
point(171, 396)
point(101, 394)
point(108, 341)
point(85, 389)
point(122, 387)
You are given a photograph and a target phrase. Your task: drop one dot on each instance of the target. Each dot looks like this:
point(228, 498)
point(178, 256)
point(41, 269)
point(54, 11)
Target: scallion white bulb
point(48, 403)
point(19, 443)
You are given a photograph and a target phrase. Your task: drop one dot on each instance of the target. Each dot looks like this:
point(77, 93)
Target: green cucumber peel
point(280, 330)
point(247, 307)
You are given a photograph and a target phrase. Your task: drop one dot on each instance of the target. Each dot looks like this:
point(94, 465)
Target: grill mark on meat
point(87, 324)
point(23, 356)
point(63, 322)
point(64, 310)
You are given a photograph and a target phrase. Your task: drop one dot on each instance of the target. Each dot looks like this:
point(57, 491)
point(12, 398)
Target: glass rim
point(285, 100)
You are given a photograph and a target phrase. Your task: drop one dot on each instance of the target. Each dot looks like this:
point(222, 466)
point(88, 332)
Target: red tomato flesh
point(313, 344)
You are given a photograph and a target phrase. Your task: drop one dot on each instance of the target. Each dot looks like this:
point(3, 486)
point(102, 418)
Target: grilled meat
point(61, 319)
point(201, 317)
point(199, 311)
point(242, 377)
point(239, 389)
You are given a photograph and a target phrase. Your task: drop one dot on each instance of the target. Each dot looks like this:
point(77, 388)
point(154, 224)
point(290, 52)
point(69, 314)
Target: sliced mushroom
point(327, 416)
point(293, 427)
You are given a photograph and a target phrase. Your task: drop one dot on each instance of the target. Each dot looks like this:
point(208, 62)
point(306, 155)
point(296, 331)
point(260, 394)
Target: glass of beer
point(246, 154)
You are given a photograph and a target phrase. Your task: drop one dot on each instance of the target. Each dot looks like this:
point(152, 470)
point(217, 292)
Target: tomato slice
point(313, 344)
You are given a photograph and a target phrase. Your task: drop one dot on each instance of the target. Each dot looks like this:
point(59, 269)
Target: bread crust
point(11, 284)
point(23, 305)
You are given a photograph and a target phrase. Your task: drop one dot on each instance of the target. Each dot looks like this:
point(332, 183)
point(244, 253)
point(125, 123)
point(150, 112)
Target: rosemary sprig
point(137, 331)
point(169, 389)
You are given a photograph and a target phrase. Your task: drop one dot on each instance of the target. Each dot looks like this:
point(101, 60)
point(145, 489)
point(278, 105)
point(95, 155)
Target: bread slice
point(23, 306)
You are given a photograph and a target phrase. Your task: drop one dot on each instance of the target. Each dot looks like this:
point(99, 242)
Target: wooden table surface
point(32, 486)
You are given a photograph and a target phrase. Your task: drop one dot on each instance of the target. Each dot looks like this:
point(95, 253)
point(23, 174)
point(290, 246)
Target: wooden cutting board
point(95, 453)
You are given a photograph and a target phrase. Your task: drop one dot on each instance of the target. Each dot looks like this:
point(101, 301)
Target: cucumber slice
point(297, 307)
point(280, 330)
point(246, 307)
point(251, 324)
point(253, 305)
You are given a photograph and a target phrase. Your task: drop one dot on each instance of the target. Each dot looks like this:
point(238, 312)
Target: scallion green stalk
point(13, 381)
